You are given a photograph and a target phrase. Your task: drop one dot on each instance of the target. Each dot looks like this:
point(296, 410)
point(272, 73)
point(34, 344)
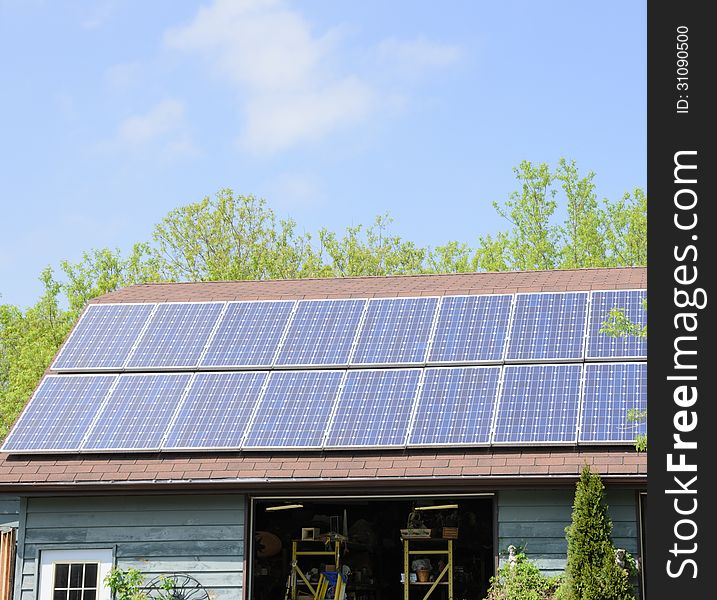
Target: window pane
point(60, 595)
point(75, 595)
point(90, 576)
point(89, 595)
point(61, 574)
point(75, 576)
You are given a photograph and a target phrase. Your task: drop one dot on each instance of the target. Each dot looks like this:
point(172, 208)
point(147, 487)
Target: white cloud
point(164, 118)
point(415, 56)
point(163, 128)
point(288, 90)
point(123, 75)
point(293, 84)
point(295, 191)
point(99, 14)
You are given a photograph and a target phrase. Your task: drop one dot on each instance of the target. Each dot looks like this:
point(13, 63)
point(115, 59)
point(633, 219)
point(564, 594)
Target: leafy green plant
point(523, 581)
point(126, 584)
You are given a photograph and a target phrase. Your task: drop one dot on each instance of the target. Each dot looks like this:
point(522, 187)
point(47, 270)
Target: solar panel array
point(349, 373)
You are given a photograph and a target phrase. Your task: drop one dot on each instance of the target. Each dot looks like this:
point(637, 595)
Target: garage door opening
point(364, 536)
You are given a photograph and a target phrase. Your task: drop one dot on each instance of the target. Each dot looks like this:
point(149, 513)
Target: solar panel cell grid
point(455, 406)
point(600, 345)
point(58, 415)
point(248, 335)
point(374, 408)
point(612, 391)
point(216, 410)
point(176, 335)
point(395, 331)
point(137, 412)
point(539, 404)
point(321, 332)
point(294, 410)
point(103, 337)
point(471, 328)
point(548, 327)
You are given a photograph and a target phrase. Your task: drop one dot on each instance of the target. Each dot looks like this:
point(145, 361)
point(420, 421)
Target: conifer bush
point(592, 573)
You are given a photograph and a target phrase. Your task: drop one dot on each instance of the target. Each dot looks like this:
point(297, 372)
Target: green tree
point(370, 251)
point(590, 234)
point(592, 573)
point(229, 238)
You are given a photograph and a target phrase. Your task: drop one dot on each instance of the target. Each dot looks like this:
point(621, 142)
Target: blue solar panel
point(374, 408)
point(103, 337)
point(294, 410)
point(605, 346)
point(611, 392)
point(548, 327)
point(249, 334)
point(58, 415)
point(176, 335)
point(216, 410)
point(321, 332)
point(455, 406)
point(471, 329)
point(538, 404)
point(395, 331)
point(137, 412)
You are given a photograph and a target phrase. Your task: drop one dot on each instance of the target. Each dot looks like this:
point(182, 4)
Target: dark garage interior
point(370, 547)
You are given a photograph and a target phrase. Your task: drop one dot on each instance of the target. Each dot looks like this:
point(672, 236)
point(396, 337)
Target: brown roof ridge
point(375, 286)
point(402, 275)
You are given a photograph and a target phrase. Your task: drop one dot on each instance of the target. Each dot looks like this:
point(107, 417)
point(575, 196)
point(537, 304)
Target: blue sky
point(114, 112)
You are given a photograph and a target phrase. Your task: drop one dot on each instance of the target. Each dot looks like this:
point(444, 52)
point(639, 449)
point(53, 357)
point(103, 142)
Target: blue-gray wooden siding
point(9, 510)
point(536, 520)
point(202, 535)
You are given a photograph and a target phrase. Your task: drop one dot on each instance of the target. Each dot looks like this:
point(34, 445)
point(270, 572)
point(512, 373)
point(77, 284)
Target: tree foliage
point(592, 573)
point(232, 236)
point(557, 223)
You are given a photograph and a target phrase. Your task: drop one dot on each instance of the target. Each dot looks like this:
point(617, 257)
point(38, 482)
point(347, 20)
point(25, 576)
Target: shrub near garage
point(522, 581)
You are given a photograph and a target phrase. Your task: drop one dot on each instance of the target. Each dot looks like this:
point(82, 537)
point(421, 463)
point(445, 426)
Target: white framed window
point(74, 574)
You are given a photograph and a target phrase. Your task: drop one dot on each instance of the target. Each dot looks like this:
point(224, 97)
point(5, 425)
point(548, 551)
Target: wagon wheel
point(184, 587)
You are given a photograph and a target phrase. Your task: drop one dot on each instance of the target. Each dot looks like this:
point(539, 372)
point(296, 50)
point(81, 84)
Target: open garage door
point(373, 545)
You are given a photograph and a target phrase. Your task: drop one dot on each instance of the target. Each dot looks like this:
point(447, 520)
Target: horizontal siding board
point(530, 530)
point(209, 564)
point(537, 497)
point(558, 513)
point(536, 546)
point(9, 505)
point(149, 549)
point(9, 511)
point(130, 534)
point(212, 580)
point(137, 503)
point(137, 518)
